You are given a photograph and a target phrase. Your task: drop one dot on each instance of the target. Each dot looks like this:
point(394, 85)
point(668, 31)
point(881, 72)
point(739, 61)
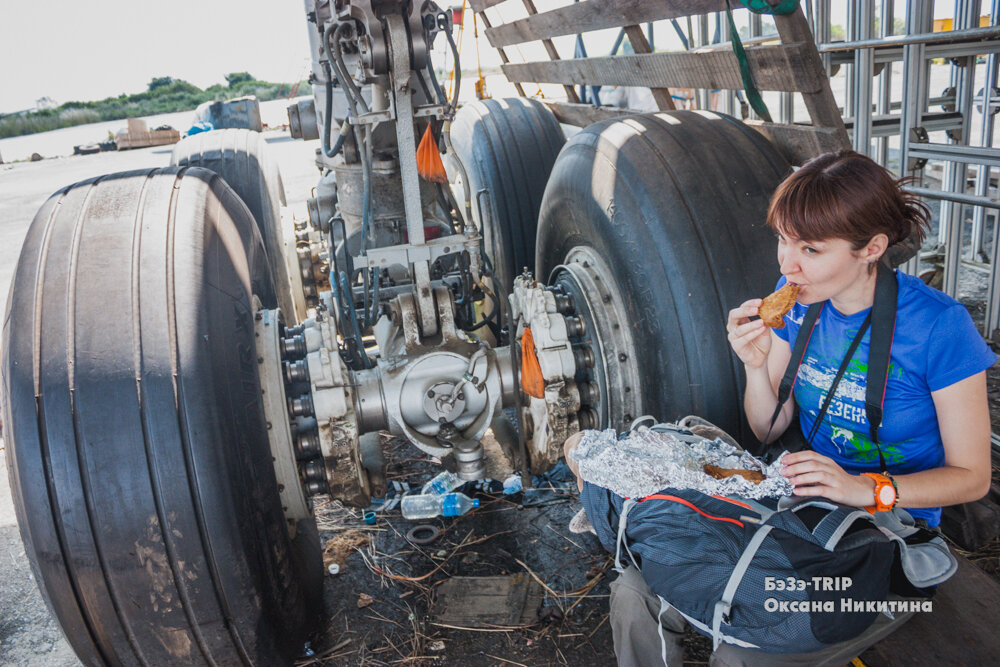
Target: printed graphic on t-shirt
point(845, 422)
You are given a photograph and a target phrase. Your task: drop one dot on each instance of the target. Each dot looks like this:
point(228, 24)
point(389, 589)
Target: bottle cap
point(369, 518)
point(475, 502)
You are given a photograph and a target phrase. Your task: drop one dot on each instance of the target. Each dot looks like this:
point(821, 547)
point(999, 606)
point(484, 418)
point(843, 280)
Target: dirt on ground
point(382, 601)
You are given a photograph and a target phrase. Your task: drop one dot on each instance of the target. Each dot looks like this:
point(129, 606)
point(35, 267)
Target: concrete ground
point(29, 635)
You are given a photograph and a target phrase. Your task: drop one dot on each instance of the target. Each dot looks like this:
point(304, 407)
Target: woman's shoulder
point(917, 298)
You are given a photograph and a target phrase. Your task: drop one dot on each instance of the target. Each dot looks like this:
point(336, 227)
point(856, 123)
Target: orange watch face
point(885, 493)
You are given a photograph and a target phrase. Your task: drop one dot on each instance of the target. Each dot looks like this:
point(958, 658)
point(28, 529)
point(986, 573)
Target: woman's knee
point(571, 443)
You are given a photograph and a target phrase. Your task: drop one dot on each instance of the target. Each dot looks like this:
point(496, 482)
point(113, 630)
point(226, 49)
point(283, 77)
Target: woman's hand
point(813, 474)
point(749, 339)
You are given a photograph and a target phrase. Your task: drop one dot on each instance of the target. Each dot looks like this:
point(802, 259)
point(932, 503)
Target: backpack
point(793, 576)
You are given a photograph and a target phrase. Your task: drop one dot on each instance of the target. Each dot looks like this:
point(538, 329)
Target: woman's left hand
point(813, 474)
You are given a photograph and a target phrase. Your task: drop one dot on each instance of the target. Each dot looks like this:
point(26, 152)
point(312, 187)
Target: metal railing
point(902, 126)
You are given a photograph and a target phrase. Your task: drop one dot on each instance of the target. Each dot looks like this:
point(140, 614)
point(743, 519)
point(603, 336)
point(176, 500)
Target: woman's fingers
point(751, 329)
point(743, 312)
point(805, 455)
point(811, 478)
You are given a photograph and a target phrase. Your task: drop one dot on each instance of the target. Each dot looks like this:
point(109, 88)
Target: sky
point(91, 49)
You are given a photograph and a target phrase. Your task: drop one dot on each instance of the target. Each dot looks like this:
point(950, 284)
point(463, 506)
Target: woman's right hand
point(749, 339)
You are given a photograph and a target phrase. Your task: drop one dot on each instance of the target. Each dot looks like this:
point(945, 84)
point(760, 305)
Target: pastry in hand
point(754, 476)
point(776, 305)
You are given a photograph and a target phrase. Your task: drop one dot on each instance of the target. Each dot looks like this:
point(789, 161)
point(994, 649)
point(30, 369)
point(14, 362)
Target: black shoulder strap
point(883, 329)
point(798, 353)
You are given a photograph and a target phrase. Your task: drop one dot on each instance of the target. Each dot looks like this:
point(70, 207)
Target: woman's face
point(823, 269)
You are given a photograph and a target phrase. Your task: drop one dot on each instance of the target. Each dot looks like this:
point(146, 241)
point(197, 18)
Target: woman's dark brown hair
point(846, 195)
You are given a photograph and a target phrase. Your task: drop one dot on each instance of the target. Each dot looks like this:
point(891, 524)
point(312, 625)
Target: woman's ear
point(875, 249)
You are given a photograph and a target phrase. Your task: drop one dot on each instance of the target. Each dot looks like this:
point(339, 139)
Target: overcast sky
point(91, 49)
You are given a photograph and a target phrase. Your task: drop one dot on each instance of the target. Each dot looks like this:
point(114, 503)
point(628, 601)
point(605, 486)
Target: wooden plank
point(819, 102)
point(582, 115)
point(504, 59)
point(595, 15)
point(773, 67)
point(550, 49)
point(640, 45)
point(961, 629)
point(480, 5)
point(799, 143)
point(488, 601)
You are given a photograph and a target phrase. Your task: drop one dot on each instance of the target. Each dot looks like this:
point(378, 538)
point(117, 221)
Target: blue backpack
point(788, 576)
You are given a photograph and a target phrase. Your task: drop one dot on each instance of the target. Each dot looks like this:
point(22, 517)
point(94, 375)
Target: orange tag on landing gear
point(532, 381)
point(429, 164)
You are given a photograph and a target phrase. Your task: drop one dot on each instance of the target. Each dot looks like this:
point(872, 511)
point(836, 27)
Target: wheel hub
point(595, 311)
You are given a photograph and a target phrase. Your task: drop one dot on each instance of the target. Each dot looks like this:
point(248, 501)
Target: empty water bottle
point(512, 484)
point(427, 506)
point(446, 482)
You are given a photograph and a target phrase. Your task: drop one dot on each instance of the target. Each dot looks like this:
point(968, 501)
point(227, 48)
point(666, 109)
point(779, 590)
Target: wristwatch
point(886, 495)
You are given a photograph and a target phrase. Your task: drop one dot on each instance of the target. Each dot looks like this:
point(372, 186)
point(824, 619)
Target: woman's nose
point(788, 263)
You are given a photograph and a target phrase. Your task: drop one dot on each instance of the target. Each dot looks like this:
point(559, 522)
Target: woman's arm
point(764, 356)
point(964, 420)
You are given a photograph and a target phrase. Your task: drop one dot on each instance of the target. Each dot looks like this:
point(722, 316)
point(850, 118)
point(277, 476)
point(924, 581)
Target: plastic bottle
point(446, 482)
point(512, 484)
point(427, 506)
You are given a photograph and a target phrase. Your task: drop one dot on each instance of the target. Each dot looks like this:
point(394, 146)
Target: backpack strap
point(725, 605)
point(622, 524)
point(664, 606)
point(882, 332)
point(792, 369)
point(833, 526)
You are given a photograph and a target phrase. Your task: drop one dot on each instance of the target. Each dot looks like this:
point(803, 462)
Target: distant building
point(41, 104)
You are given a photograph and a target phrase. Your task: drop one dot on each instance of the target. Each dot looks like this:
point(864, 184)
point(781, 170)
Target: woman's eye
point(811, 250)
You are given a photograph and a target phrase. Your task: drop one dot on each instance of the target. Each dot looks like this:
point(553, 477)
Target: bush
point(236, 78)
point(73, 116)
point(165, 94)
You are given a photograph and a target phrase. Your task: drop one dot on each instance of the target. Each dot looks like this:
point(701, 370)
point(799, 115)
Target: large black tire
point(507, 148)
point(242, 159)
point(675, 204)
point(138, 452)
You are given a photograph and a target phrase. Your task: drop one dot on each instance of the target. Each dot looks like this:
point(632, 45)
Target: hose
point(332, 39)
point(355, 100)
point(328, 122)
point(437, 86)
point(468, 377)
point(458, 67)
point(345, 299)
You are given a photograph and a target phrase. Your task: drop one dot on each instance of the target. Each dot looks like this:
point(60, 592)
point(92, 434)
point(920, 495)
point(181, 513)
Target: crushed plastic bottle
point(427, 506)
point(512, 484)
point(445, 482)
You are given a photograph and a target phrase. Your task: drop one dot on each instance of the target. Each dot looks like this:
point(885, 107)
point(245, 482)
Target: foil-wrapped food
point(646, 461)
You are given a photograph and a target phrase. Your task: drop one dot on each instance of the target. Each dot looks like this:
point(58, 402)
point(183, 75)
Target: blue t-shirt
point(935, 345)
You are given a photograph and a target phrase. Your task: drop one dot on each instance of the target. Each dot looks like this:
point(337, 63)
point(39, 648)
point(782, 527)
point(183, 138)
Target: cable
point(458, 67)
point(333, 49)
point(328, 122)
point(434, 82)
point(342, 294)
